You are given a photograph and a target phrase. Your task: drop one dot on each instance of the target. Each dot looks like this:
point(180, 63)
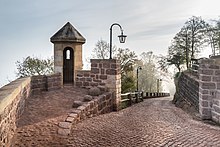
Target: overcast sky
point(26, 26)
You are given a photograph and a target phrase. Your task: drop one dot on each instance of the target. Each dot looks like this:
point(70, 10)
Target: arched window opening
point(67, 54)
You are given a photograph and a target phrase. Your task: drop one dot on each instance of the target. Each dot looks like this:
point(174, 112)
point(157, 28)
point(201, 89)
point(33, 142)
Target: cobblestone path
point(154, 122)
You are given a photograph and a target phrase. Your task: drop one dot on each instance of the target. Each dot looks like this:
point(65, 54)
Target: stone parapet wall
point(105, 72)
point(13, 97)
point(100, 105)
point(45, 83)
point(209, 75)
point(188, 89)
point(12, 102)
point(203, 90)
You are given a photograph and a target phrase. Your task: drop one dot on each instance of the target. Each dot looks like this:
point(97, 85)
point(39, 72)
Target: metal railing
point(130, 98)
point(155, 95)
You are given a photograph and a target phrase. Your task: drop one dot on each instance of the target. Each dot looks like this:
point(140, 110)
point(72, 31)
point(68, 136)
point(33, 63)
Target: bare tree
point(102, 51)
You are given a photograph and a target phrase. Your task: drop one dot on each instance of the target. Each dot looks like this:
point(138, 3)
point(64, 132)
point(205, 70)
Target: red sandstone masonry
point(208, 79)
point(12, 101)
point(105, 72)
point(100, 105)
point(13, 97)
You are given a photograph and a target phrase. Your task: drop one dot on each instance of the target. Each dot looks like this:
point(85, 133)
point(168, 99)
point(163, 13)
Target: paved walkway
point(154, 122)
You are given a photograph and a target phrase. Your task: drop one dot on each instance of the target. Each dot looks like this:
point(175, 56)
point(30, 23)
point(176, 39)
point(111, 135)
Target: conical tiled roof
point(68, 34)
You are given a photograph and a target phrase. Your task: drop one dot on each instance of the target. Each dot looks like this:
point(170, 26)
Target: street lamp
point(122, 37)
point(139, 68)
point(158, 85)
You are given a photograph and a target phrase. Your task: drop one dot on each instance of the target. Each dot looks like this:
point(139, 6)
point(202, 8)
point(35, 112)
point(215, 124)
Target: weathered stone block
point(207, 72)
point(87, 74)
point(82, 79)
point(216, 108)
point(81, 108)
point(205, 103)
point(95, 91)
point(208, 85)
point(111, 72)
point(79, 84)
point(89, 79)
point(103, 88)
point(94, 65)
point(106, 65)
point(95, 70)
point(97, 81)
point(77, 104)
point(214, 66)
point(206, 78)
point(94, 84)
point(75, 115)
point(63, 132)
point(86, 84)
point(70, 119)
point(103, 77)
point(217, 72)
point(87, 98)
point(216, 79)
point(206, 111)
point(65, 125)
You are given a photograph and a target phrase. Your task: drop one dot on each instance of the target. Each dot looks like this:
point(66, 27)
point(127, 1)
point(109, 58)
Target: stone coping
point(10, 91)
point(87, 110)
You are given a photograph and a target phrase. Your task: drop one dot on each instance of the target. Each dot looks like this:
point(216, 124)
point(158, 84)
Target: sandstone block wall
point(188, 88)
point(12, 101)
point(203, 90)
point(100, 105)
point(209, 75)
point(45, 83)
point(105, 72)
point(13, 97)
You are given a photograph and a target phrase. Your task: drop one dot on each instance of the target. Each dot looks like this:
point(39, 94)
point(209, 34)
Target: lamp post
point(139, 68)
point(158, 85)
point(122, 37)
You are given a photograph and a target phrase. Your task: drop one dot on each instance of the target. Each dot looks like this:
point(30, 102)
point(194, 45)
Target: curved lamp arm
point(122, 37)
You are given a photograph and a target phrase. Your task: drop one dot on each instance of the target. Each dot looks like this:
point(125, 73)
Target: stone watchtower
point(67, 52)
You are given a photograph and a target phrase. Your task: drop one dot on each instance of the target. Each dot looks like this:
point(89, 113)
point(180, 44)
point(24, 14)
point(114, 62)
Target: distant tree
point(34, 66)
point(101, 50)
point(213, 34)
point(188, 42)
point(127, 59)
point(150, 73)
point(197, 28)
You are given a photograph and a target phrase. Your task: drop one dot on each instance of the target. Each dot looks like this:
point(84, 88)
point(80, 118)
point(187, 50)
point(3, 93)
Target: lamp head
point(122, 37)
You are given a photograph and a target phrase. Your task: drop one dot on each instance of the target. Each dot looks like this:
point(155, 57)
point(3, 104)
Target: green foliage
point(127, 59)
point(127, 84)
point(34, 66)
